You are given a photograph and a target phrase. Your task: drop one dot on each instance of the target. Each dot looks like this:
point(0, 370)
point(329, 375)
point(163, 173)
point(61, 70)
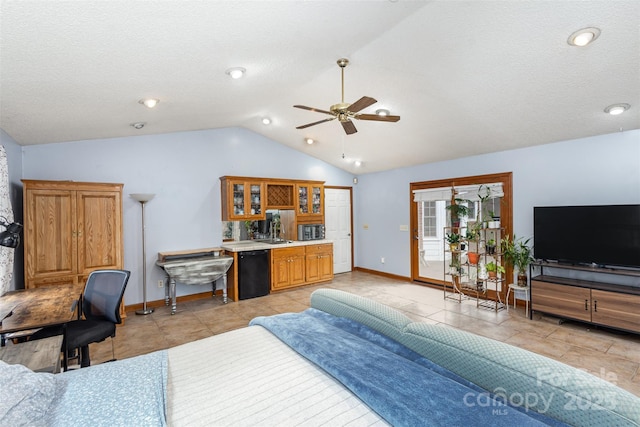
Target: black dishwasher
point(253, 274)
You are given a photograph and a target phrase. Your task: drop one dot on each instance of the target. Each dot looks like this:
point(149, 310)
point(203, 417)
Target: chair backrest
point(103, 294)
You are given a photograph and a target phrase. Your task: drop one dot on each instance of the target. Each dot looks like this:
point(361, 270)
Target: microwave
point(310, 232)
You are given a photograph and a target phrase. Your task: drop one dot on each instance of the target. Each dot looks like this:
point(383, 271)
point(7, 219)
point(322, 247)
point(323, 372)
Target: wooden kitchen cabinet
point(70, 229)
point(280, 195)
point(318, 263)
point(242, 199)
point(309, 201)
point(287, 267)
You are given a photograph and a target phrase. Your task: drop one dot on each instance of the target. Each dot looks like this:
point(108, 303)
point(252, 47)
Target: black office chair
point(100, 307)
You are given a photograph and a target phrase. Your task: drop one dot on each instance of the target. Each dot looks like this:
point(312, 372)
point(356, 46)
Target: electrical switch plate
point(382, 260)
point(161, 283)
point(365, 226)
point(404, 227)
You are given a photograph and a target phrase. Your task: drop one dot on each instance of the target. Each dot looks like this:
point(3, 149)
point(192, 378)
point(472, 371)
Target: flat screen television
point(606, 235)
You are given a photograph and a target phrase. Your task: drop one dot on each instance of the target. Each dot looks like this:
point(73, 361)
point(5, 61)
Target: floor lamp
point(143, 198)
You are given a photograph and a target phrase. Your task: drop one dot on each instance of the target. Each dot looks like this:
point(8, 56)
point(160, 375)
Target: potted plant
point(458, 211)
point(494, 269)
point(453, 239)
point(517, 253)
point(490, 246)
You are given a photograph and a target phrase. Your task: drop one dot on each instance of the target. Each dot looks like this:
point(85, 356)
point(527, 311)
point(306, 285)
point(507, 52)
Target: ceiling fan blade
point(377, 117)
point(317, 110)
point(349, 127)
point(315, 123)
point(361, 103)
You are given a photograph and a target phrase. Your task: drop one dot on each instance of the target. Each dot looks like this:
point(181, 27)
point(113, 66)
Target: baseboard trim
point(383, 274)
point(160, 302)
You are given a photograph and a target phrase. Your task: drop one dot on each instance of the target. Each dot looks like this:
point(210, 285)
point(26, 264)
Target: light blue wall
point(597, 170)
point(182, 169)
point(14, 161)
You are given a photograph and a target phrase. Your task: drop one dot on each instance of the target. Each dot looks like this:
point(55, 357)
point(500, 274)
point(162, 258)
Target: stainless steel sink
point(274, 241)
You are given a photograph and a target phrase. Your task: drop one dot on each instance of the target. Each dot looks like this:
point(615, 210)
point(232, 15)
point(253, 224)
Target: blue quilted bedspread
point(400, 385)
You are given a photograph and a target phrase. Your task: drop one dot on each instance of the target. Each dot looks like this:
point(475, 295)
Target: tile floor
point(612, 355)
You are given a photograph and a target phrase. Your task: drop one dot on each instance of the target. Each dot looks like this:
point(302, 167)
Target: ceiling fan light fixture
point(149, 102)
point(236, 72)
point(584, 36)
point(383, 112)
point(616, 109)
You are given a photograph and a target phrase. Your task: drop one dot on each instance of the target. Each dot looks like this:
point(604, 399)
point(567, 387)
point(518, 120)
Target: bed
point(347, 360)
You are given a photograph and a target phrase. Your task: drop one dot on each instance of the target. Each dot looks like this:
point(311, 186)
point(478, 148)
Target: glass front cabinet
point(242, 200)
point(310, 199)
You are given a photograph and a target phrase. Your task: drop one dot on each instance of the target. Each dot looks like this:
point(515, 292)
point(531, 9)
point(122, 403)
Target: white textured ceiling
point(467, 77)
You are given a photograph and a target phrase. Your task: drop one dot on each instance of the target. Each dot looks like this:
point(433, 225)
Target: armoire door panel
point(98, 230)
point(50, 218)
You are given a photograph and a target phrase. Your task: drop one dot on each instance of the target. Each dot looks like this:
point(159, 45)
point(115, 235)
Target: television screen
point(602, 235)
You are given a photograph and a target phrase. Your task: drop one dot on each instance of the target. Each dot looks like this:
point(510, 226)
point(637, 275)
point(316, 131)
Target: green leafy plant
point(458, 210)
point(453, 238)
point(519, 254)
point(492, 267)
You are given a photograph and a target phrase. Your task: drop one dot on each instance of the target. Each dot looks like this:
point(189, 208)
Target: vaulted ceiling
point(466, 77)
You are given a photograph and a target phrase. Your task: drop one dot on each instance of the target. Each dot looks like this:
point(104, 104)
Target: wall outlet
point(382, 260)
point(161, 283)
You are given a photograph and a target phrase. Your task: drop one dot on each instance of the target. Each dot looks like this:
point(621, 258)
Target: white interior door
point(337, 218)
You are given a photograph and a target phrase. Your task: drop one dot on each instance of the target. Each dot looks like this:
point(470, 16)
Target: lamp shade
point(142, 197)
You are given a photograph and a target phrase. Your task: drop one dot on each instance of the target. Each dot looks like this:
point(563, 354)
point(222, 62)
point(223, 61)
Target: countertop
point(252, 245)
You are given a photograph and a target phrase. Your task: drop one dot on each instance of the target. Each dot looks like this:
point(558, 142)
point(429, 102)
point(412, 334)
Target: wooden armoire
point(70, 229)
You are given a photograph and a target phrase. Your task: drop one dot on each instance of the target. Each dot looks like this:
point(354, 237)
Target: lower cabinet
point(319, 263)
point(616, 310)
point(287, 267)
point(561, 300)
point(607, 308)
point(301, 265)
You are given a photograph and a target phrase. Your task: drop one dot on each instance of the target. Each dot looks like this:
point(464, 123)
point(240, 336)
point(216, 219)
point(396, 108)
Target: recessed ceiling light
point(382, 112)
point(357, 163)
point(616, 109)
point(236, 72)
point(584, 36)
point(149, 102)
point(266, 121)
point(309, 141)
point(138, 125)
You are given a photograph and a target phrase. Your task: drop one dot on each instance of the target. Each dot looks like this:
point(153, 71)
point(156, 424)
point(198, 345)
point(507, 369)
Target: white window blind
point(468, 192)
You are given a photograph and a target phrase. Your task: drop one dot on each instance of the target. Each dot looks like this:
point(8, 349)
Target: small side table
point(519, 293)
point(39, 355)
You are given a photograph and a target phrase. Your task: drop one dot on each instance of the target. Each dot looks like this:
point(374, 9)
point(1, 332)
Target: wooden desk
point(38, 307)
point(39, 355)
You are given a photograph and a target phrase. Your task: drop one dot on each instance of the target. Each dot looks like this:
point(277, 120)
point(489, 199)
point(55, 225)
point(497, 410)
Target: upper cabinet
point(242, 199)
point(246, 198)
point(280, 195)
point(310, 199)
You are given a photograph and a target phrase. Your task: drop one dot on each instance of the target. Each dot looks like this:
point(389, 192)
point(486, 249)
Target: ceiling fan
point(344, 112)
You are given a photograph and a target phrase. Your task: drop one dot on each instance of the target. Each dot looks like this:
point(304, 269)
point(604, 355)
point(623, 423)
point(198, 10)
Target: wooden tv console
point(592, 301)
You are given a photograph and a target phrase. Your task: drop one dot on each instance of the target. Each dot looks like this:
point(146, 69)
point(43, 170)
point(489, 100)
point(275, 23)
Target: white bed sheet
point(248, 377)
